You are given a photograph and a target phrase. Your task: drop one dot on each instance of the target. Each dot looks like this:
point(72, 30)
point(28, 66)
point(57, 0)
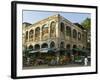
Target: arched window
point(30, 47)
point(44, 29)
point(37, 32)
point(68, 46)
point(74, 33)
point(68, 50)
point(44, 45)
point(31, 35)
point(62, 27)
point(37, 47)
point(52, 44)
point(74, 51)
point(68, 31)
point(79, 36)
point(62, 45)
point(74, 46)
point(26, 36)
point(53, 29)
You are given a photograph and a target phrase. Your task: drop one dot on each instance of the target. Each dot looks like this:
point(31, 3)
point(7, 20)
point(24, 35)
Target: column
point(28, 37)
point(41, 33)
point(49, 29)
point(34, 34)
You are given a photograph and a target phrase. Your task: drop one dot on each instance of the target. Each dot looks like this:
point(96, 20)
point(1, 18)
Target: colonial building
point(54, 32)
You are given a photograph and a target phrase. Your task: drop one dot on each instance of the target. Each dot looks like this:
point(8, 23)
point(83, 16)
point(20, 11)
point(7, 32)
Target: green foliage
point(86, 23)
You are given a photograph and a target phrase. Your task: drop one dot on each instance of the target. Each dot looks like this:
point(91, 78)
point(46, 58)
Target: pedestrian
point(57, 59)
point(28, 61)
point(85, 61)
point(53, 62)
point(72, 58)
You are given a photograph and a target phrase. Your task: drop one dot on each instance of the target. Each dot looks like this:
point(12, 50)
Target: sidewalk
point(54, 66)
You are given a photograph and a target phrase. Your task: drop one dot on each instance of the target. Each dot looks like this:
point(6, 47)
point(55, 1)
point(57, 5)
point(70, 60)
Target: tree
point(86, 23)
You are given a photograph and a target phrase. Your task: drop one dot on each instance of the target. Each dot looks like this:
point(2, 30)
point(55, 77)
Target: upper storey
point(52, 27)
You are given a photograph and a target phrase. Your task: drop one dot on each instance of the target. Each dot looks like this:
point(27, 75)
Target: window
point(74, 34)
point(68, 46)
point(62, 45)
point(37, 32)
point(37, 47)
point(53, 29)
point(52, 44)
point(68, 50)
point(79, 36)
point(30, 47)
point(44, 45)
point(82, 37)
point(74, 46)
point(62, 27)
point(31, 35)
point(44, 29)
point(68, 31)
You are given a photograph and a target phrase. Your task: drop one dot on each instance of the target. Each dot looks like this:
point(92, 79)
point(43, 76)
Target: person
point(28, 61)
point(57, 59)
point(53, 62)
point(85, 61)
point(72, 58)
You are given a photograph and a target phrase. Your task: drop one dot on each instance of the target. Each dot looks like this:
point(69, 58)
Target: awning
point(34, 51)
point(28, 49)
point(85, 51)
point(43, 51)
point(47, 50)
point(77, 49)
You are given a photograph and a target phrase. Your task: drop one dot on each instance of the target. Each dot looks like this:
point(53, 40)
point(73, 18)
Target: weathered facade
point(54, 32)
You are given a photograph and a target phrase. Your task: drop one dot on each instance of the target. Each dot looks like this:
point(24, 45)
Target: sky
point(34, 16)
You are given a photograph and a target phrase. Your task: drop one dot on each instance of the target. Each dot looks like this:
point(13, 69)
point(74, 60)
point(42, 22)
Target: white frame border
point(51, 71)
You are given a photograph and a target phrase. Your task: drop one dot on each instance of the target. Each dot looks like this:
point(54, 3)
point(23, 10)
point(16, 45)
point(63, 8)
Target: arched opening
point(44, 29)
point(62, 50)
point(62, 27)
point(45, 32)
point(68, 50)
point(37, 47)
point(52, 44)
point(68, 31)
point(53, 29)
point(74, 33)
point(79, 36)
point(37, 33)
point(74, 51)
point(62, 45)
point(74, 46)
point(44, 45)
point(68, 46)
point(30, 47)
point(83, 47)
point(31, 35)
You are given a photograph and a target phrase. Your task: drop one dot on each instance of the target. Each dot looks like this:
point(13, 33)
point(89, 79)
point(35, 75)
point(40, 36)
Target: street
point(55, 66)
